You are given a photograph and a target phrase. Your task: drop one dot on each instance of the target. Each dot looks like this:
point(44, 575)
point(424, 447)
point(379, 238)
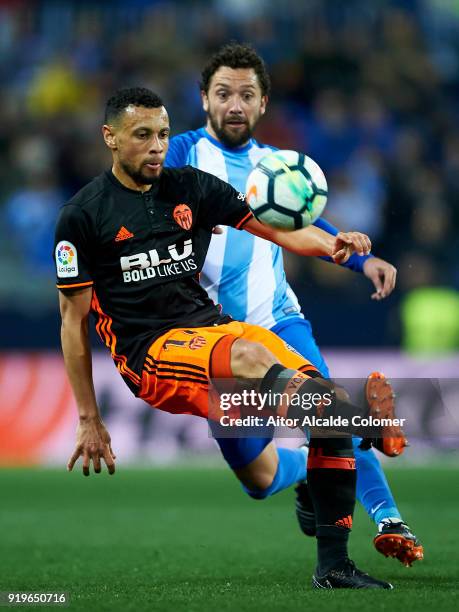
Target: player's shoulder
point(91, 193)
point(187, 139)
point(181, 145)
point(87, 200)
point(262, 145)
point(182, 174)
point(194, 181)
point(186, 175)
point(196, 174)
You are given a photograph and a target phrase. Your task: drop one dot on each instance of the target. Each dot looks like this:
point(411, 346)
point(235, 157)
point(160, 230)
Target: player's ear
point(205, 101)
point(109, 137)
point(264, 102)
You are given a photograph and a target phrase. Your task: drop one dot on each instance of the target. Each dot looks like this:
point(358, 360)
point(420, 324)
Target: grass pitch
point(190, 540)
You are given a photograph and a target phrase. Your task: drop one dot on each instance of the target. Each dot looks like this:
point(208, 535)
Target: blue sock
point(373, 490)
point(291, 469)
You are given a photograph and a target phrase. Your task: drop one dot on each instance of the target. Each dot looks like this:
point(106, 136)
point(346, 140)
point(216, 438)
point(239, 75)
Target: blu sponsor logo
point(142, 266)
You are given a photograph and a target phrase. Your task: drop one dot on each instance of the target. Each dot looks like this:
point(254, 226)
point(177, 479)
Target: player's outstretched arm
point(93, 440)
point(314, 241)
point(381, 273)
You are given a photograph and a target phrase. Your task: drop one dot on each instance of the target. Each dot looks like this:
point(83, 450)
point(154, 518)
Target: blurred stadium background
point(370, 90)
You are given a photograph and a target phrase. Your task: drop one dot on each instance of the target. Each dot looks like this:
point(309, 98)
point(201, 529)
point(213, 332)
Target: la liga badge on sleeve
point(66, 259)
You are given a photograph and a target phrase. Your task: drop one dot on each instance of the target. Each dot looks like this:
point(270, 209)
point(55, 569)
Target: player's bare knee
point(259, 475)
point(250, 359)
point(257, 485)
point(257, 482)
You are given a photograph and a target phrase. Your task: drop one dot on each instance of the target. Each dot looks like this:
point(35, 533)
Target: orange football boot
point(381, 401)
point(396, 540)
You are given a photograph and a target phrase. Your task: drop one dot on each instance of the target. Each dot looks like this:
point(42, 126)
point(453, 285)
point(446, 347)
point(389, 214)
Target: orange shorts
point(181, 362)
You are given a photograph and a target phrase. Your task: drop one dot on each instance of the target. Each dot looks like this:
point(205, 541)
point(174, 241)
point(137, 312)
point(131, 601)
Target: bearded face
point(234, 105)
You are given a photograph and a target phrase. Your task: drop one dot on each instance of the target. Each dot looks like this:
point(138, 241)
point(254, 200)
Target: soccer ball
point(287, 190)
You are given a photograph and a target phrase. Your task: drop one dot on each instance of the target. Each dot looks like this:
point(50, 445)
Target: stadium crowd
point(369, 90)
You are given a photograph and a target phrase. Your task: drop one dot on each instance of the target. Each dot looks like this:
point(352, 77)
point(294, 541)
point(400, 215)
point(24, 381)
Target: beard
point(229, 138)
point(139, 175)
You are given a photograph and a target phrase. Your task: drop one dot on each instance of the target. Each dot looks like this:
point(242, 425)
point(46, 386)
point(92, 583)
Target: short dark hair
point(236, 55)
point(121, 99)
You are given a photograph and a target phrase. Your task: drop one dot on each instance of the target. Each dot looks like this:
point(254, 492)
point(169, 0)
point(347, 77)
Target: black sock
point(331, 479)
point(285, 381)
point(331, 475)
point(332, 543)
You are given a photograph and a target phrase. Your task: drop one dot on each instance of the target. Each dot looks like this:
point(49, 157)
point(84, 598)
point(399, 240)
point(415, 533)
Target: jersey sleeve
point(355, 262)
point(221, 204)
point(72, 249)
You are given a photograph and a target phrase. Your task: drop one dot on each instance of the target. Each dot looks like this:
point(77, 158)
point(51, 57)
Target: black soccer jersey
point(142, 253)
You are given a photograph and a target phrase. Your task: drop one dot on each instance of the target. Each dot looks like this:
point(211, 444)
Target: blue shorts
point(296, 331)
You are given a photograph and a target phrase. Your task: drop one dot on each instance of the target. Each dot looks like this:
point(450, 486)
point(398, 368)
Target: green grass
point(189, 540)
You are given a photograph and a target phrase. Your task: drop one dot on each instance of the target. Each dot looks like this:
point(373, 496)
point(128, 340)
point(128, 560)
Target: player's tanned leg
point(251, 360)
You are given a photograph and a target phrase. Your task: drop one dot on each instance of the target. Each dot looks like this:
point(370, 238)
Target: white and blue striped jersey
point(243, 273)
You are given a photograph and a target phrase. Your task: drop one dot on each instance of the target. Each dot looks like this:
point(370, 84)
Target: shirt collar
point(152, 191)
